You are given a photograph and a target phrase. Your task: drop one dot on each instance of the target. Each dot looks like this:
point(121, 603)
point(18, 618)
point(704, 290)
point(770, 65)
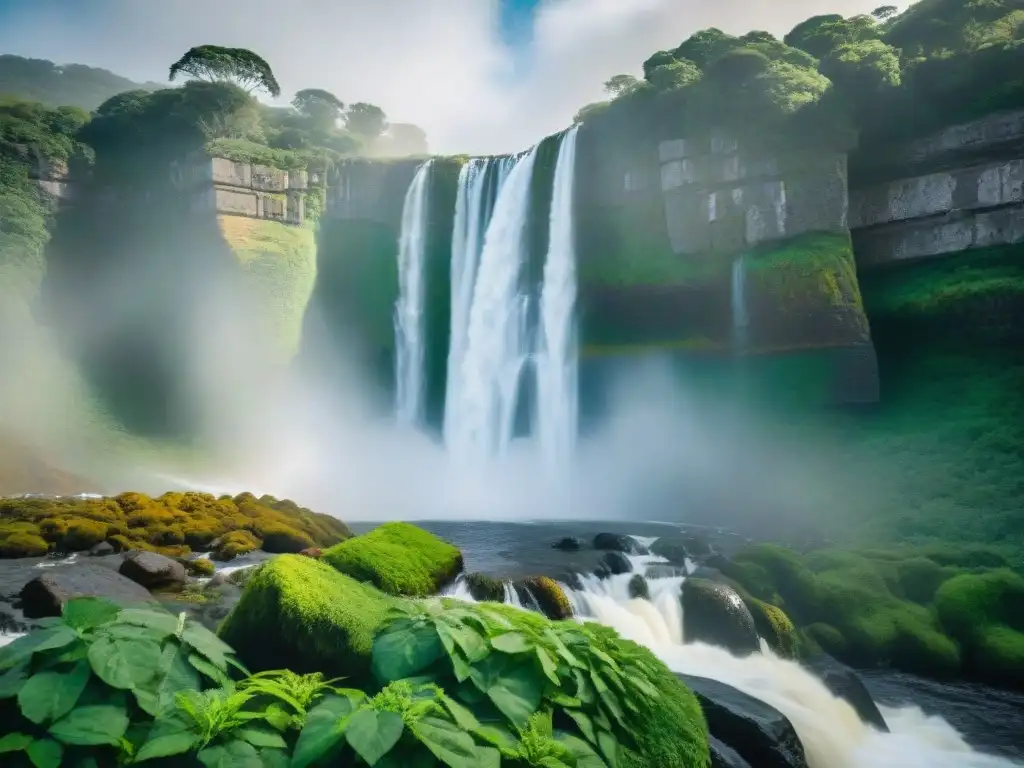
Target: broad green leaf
point(175, 674)
point(208, 644)
point(14, 742)
point(398, 655)
point(49, 696)
point(582, 753)
point(488, 757)
point(234, 754)
point(124, 664)
point(497, 735)
point(278, 717)
point(585, 724)
point(132, 632)
point(260, 737)
point(322, 732)
point(548, 665)
point(12, 680)
point(158, 620)
point(609, 748)
point(514, 687)
point(211, 671)
point(460, 714)
point(472, 643)
point(45, 753)
point(274, 758)
point(91, 726)
point(372, 734)
point(611, 703)
point(34, 642)
point(170, 736)
point(453, 747)
point(88, 612)
point(511, 642)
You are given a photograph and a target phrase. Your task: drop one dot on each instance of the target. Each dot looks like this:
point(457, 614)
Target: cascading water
point(557, 364)
point(496, 345)
point(740, 318)
point(480, 180)
point(409, 307)
point(832, 733)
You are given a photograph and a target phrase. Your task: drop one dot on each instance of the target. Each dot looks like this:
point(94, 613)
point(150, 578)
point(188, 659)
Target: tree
point(322, 108)
point(705, 46)
point(240, 66)
point(739, 66)
point(819, 35)
point(660, 59)
point(861, 70)
point(884, 12)
point(678, 74)
point(367, 121)
point(619, 85)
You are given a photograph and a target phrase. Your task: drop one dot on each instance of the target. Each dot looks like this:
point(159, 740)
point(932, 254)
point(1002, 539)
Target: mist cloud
point(439, 63)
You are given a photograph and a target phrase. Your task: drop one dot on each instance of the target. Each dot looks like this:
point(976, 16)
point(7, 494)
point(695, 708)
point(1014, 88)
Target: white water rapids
point(832, 733)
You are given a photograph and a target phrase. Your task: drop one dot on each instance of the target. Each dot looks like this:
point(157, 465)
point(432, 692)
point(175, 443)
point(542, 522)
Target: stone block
point(687, 218)
point(273, 207)
point(764, 205)
point(903, 199)
point(817, 202)
point(1000, 184)
point(675, 149)
point(266, 179)
point(236, 201)
point(975, 135)
point(298, 180)
point(230, 174)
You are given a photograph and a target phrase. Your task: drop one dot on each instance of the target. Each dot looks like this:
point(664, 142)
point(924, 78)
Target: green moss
point(775, 627)
point(982, 611)
point(200, 567)
point(234, 544)
point(827, 638)
point(280, 262)
point(399, 559)
point(299, 613)
point(483, 587)
point(550, 597)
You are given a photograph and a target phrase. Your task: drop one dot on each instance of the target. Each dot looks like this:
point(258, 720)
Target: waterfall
point(740, 318)
point(557, 402)
point(832, 733)
point(496, 342)
point(409, 307)
point(479, 182)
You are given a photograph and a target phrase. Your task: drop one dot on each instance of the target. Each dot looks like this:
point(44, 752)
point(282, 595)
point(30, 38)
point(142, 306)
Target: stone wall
point(974, 200)
point(370, 190)
point(228, 188)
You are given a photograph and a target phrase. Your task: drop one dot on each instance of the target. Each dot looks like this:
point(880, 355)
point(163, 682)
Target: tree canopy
point(366, 120)
point(240, 66)
point(322, 108)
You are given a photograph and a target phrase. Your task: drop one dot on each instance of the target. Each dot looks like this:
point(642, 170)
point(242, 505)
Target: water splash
point(409, 307)
point(557, 356)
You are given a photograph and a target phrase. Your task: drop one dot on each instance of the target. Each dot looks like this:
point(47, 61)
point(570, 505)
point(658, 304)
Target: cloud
point(438, 63)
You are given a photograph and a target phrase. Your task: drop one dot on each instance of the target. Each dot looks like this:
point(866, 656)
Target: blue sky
point(478, 75)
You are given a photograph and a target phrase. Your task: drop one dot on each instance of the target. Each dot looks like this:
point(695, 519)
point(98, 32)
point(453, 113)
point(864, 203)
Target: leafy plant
point(80, 680)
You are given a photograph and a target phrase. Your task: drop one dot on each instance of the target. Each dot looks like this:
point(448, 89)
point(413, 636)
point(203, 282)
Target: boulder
point(672, 549)
point(153, 570)
point(46, 595)
point(485, 588)
point(663, 571)
point(549, 597)
point(619, 542)
point(567, 544)
point(216, 580)
point(696, 546)
point(102, 549)
point(638, 588)
point(757, 732)
point(723, 756)
point(715, 614)
point(846, 684)
point(615, 563)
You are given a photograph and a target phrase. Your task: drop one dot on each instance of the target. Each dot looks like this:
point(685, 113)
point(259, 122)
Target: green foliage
point(365, 120)
point(620, 84)
point(321, 107)
point(675, 74)
point(399, 559)
point(862, 70)
point(507, 665)
point(215, 63)
point(173, 524)
point(80, 681)
point(820, 35)
point(326, 619)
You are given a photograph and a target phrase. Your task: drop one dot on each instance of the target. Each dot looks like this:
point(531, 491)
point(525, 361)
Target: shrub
point(399, 559)
point(82, 534)
point(280, 539)
point(233, 544)
point(23, 545)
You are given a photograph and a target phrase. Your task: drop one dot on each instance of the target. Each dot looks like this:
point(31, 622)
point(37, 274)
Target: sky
point(479, 76)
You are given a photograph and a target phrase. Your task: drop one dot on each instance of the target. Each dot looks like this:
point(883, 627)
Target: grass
point(280, 261)
point(301, 614)
point(397, 558)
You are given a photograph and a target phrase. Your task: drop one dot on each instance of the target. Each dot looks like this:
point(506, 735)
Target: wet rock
point(46, 595)
point(663, 571)
point(672, 549)
point(548, 595)
point(846, 684)
point(153, 570)
point(619, 542)
point(102, 549)
point(709, 574)
point(216, 580)
point(757, 732)
point(568, 544)
point(614, 563)
point(638, 588)
point(715, 614)
point(697, 546)
point(724, 756)
point(483, 587)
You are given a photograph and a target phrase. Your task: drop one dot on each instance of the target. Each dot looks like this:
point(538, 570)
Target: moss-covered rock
point(715, 614)
point(774, 626)
point(301, 614)
point(199, 567)
point(399, 559)
point(233, 544)
point(550, 597)
point(983, 613)
point(484, 587)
